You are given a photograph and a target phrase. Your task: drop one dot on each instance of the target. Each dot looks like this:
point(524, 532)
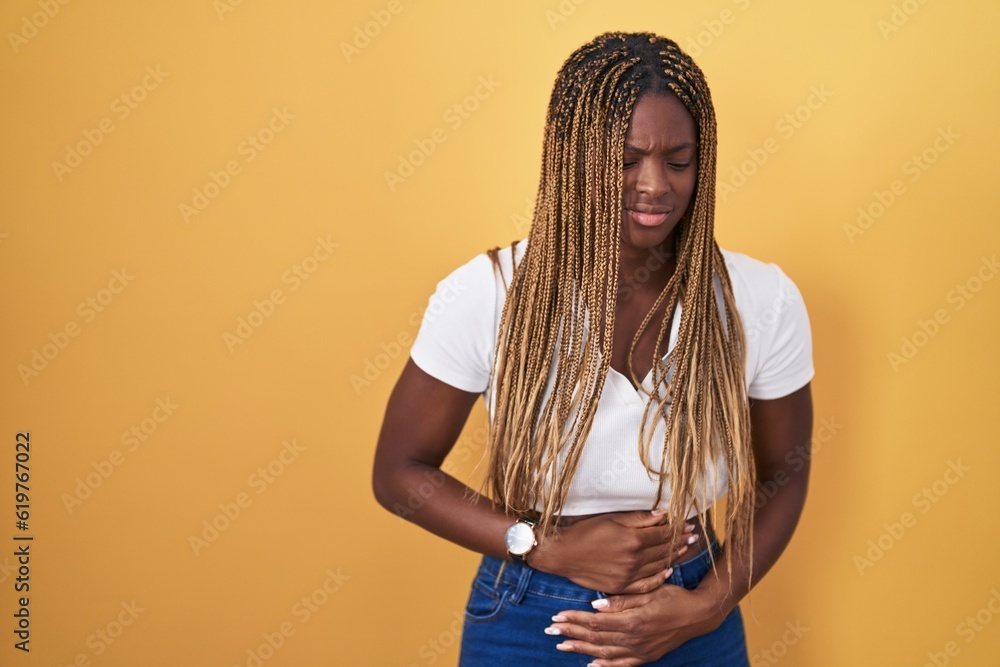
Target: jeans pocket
point(485, 603)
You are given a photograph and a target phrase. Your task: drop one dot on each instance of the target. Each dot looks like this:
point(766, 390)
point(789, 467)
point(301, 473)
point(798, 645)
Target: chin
point(646, 237)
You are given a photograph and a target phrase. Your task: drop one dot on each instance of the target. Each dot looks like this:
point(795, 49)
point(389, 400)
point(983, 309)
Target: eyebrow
point(674, 149)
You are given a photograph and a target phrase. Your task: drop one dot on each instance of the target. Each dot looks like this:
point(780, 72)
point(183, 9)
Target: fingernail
point(559, 618)
point(693, 539)
point(658, 512)
point(553, 631)
point(681, 551)
point(564, 647)
point(599, 604)
point(688, 527)
point(670, 571)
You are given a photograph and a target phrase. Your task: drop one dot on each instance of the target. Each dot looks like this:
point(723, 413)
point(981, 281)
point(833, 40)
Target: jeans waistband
point(520, 579)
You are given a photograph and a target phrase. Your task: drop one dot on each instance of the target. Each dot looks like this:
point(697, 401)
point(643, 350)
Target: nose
point(653, 179)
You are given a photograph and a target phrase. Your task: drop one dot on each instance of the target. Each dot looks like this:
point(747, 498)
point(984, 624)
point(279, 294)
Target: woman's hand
point(621, 552)
point(631, 630)
point(635, 629)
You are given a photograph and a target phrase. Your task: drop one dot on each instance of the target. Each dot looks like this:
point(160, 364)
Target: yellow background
point(895, 75)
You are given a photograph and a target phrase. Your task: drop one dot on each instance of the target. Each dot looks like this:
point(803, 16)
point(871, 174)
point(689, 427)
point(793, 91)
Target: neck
point(644, 270)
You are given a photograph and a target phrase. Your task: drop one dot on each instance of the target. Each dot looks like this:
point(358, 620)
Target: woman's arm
point(635, 629)
point(423, 419)
point(782, 430)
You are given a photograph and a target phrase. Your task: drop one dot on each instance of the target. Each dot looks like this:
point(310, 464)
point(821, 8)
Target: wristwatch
point(521, 539)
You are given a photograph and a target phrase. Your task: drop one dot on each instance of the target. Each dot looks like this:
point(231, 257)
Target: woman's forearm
point(780, 427)
point(631, 544)
point(774, 523)
point(441, 504)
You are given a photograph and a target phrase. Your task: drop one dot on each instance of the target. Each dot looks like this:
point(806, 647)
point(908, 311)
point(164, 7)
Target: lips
point(648, 217)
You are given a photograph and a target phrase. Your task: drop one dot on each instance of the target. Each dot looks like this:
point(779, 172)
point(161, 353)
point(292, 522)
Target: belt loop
point(521, 586)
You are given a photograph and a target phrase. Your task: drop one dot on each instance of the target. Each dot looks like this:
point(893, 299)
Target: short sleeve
point(456, 337)
point(785, 340)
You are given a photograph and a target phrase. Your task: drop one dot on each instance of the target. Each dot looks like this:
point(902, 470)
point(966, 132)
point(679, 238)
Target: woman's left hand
point(635, 629)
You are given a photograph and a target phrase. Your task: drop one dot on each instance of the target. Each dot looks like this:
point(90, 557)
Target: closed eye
point(677, 166)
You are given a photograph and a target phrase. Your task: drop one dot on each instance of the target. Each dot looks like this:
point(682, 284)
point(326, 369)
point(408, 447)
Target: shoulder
point(776, 324)
point(484, 271)
point(750, 272)
point(758, 286)
point(458, 331)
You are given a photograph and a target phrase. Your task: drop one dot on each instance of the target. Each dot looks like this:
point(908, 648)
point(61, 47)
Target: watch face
point(520, 538)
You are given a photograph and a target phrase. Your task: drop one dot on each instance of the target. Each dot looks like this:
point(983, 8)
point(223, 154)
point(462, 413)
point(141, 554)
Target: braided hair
point(571, 267)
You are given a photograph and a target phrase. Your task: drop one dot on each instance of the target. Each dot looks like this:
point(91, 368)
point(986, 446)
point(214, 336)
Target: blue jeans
point(509, 610)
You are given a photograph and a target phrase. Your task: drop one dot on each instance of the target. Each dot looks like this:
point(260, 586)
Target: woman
point(605, 455)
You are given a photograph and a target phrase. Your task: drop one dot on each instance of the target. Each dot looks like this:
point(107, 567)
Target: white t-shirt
point(458, 334)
